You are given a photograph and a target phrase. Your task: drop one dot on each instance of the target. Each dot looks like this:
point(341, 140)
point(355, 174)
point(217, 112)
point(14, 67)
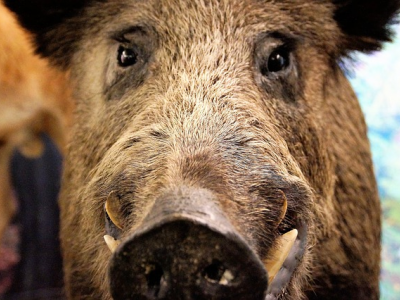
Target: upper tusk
point(113, 208)
point(279, 253)
point(284, 210)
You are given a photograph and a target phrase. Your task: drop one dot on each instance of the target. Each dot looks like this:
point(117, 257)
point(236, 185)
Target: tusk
point(111, 243)
point(279, 253)
point(284, 210)
point(113, 209)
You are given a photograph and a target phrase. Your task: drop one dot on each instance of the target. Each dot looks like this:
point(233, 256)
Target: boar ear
point(43, 19)
point(366, 22)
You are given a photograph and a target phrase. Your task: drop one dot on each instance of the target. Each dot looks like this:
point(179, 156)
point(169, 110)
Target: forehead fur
point(362, 24)
point(192, 19)
point(180, 21)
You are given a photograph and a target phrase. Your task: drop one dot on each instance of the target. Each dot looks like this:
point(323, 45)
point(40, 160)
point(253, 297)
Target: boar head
point(215, 123)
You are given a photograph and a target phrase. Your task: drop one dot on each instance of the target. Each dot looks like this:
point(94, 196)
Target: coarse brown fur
point(34, 98)
point(196, 111)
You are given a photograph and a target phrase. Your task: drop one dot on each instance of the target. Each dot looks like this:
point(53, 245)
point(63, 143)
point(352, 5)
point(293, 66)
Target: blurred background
point(376, 80)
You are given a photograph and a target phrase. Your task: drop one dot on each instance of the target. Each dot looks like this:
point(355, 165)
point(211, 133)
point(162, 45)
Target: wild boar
point(217, 145)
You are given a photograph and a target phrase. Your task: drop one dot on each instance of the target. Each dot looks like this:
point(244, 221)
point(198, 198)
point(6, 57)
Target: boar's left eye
point(126, 57)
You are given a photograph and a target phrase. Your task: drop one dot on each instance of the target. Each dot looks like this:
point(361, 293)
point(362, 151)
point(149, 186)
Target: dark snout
point(187, 249)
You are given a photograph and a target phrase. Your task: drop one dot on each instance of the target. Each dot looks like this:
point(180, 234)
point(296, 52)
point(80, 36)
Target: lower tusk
point(111, 243)
point(279, 253)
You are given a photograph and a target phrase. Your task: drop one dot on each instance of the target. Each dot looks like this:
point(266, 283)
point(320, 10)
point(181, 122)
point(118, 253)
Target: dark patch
point(38, 15)
point(366, 22)
point(36, 183)
point(130, 142)
point(158, 134)
point(111, 228)
point(42, 16)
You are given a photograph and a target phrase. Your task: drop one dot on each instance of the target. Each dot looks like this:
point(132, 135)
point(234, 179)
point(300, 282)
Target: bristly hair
point(366, 23)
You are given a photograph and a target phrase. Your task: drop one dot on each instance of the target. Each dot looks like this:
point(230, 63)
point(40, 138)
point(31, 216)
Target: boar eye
point(126, 57)
point(278, 61)
point(277, 65)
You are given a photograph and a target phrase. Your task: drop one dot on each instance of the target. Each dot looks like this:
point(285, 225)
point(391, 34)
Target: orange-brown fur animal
point(245, 99)
point(33, 99)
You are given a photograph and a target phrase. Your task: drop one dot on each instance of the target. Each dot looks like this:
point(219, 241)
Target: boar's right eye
point(277, 61)
point(126, 57)
point(127, 67)
point(277, 68)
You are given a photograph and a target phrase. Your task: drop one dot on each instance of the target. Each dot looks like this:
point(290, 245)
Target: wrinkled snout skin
point(201, 108)
point(186, 248)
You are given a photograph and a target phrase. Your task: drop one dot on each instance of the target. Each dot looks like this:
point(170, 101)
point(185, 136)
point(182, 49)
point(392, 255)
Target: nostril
point(214, 271)
point(154, 275)
point(217, 273)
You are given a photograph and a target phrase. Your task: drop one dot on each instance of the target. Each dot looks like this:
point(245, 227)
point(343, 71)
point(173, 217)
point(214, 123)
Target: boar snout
point(186, 248)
